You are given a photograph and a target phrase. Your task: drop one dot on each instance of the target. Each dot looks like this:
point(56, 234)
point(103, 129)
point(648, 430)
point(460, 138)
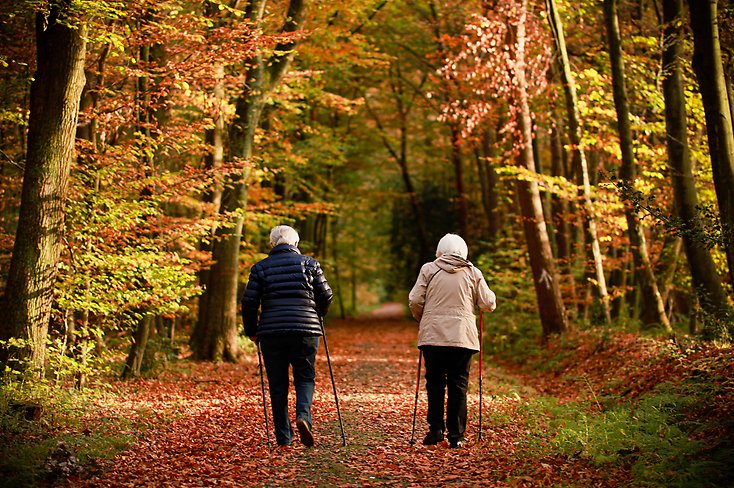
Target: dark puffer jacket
point(290, 291)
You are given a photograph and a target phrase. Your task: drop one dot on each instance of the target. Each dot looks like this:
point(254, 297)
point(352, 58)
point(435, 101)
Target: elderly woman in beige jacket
point(443, 300)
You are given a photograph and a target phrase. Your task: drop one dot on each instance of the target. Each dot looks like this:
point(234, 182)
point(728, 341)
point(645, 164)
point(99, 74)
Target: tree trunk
point(95, 83)
point(216, 335)
point(489, 182)
point(545, 278)
point(415, 204)
point(400, 155)
point(562, 214)
point(88, 130)
point(147, 118)
point(618, 279)
point(706, 281)
point(707, 65)
point(579, 157)
point(670, 260)
point(134, 362)
point(54, 109)
point(545, 198)
point(653, 308)
point(462, 207)
point(214, 161)
point(337, 274)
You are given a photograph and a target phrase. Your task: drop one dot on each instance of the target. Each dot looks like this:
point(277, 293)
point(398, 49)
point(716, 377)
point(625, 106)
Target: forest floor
point(204, 426)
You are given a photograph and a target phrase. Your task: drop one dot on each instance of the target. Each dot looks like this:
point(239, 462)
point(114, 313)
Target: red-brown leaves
point(207, 428)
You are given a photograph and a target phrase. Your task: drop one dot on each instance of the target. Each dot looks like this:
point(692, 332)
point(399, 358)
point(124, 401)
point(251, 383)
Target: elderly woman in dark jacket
point(292, 296)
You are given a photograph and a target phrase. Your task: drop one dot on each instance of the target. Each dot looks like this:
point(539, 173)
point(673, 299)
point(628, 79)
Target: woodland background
point(583, 149)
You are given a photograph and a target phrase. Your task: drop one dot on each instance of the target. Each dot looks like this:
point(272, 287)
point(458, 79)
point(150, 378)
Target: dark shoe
point(304, 430)
point(433, 437)
point(456, 444)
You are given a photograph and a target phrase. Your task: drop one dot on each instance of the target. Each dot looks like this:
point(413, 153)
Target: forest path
point(210, 430)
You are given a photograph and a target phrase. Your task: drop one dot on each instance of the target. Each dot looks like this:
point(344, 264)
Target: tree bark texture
point(214, 162)
point(462, 206)
point(489, 183)
point(706, 281)
point(653, 308)
point(545, 278)
point(561, 212)
point(136, 355)
point(54, 110)
point(707, 64)
point(579, 157)
point(215, 337)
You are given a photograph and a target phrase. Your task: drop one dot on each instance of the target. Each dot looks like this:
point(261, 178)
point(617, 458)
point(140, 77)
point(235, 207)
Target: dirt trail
point(210, 429)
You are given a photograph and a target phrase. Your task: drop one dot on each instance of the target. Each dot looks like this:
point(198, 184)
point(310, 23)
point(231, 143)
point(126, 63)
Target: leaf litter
point(208, 427)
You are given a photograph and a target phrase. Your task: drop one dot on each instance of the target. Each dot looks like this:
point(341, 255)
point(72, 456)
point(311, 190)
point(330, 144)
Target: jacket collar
point(452, 263)
point(283, 248)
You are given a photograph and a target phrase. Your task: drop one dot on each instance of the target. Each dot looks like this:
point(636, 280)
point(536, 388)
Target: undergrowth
point(656, 437)
point(43, 435)
point(658, 408)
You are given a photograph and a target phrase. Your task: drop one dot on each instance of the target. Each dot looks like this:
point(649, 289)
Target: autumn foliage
point(216, 433)
point(374, 128)
point(203, 422)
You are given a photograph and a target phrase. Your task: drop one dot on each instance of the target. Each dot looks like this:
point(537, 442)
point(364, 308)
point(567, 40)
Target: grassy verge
point(660, 409)
point(44, 435)
point(659, 438)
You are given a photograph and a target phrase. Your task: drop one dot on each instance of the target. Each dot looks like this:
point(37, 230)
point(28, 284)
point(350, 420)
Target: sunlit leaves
point(486, 63)
point(131, 282)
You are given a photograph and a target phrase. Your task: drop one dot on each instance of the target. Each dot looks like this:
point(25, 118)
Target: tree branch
point(284, 51)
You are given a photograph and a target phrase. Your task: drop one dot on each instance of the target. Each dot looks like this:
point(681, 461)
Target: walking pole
point(262, 387)
point(417, 389)
point(333, 384)
point(481, 362)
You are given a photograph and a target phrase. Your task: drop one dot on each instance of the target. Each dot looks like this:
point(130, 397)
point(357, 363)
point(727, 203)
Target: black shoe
point(304, 430)
point(433, 437)
point(456, 444)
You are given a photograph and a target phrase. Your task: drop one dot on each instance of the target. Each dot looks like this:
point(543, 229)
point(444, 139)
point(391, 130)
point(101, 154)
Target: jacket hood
point(452, 263)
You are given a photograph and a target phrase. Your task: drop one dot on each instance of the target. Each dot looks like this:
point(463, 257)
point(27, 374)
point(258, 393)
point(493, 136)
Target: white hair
point(283, 234)
point(452, 244)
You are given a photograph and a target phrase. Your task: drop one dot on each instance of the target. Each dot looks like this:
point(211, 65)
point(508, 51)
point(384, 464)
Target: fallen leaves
point(208, 428)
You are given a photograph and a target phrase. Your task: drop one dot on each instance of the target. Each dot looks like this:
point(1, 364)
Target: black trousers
point(447, 368)
point(281, 353)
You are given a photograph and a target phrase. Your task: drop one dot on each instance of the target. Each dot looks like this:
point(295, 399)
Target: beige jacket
point(443, 300)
